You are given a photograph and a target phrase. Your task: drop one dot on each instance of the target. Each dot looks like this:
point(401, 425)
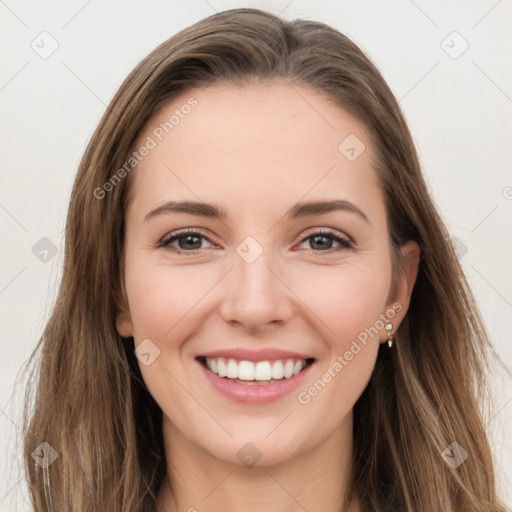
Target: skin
point(256, 150)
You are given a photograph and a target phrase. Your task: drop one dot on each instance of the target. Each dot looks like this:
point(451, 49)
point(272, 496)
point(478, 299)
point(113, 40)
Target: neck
point(316, 480)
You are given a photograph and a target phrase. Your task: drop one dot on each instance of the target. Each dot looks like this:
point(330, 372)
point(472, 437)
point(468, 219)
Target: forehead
point(229, 143)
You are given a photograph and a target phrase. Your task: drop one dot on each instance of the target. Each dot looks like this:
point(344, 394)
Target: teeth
point(288, 369)
point(245, 370)
point(221, 368)
point(263, 371)
point(232, 369)
point(297, 368)
point(277, 370)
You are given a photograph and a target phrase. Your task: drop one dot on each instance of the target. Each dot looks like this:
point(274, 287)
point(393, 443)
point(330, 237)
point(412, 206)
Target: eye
point(189, 240)
point(320, 241)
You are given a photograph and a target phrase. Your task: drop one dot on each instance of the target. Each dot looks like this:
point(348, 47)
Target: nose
point(255, 297)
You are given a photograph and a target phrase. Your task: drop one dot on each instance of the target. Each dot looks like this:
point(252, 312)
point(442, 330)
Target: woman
point(260, 307)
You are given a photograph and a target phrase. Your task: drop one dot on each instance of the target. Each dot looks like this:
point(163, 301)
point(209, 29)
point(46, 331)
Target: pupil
point(188, 238)
point(315, 238)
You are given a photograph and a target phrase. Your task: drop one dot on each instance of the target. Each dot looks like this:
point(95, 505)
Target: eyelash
point(345, 243)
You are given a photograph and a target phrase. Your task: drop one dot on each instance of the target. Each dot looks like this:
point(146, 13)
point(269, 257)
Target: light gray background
point(458, 108)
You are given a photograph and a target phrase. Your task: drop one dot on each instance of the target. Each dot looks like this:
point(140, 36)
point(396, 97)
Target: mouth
point(255, 373)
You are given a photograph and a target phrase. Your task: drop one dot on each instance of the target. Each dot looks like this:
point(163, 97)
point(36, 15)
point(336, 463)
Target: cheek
point(349, 305)
point(161, 297)
point(346, 299)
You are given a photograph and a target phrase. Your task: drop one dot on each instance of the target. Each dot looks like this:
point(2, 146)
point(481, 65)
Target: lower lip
point(256, 393)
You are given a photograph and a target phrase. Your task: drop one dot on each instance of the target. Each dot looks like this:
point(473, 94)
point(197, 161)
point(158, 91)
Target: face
point(253, 307)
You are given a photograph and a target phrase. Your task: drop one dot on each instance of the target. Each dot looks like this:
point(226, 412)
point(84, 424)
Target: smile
point(249, 372)
point(254, 381)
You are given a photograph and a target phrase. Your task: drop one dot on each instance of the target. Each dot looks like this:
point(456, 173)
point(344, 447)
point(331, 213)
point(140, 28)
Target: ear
point(123, 318)
point(400, 296)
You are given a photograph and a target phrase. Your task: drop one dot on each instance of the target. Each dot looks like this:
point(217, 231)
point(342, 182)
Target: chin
point(249, 454)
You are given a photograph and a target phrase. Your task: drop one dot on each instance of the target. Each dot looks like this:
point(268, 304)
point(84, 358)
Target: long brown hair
point(91, 404)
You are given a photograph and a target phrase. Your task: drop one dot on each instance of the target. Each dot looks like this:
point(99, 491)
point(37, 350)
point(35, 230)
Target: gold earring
point(389, 328)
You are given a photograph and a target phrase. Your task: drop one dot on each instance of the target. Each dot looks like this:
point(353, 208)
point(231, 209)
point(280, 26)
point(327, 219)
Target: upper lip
point(267, 354)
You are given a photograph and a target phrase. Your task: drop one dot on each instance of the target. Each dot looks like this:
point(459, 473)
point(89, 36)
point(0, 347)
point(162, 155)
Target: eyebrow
point(298, 210)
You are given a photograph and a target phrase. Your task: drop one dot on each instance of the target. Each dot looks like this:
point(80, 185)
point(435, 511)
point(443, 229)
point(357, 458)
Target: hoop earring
point(389, 328)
